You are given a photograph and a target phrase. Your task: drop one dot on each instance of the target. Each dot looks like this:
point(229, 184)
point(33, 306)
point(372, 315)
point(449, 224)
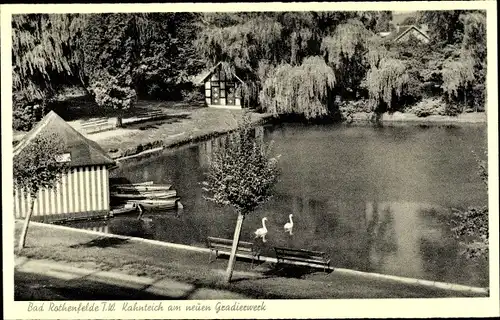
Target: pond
point(375, 199)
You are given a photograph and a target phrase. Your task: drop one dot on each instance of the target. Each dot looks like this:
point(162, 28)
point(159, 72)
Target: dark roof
point(394, 36)
point(84, 152)
point(203, 77)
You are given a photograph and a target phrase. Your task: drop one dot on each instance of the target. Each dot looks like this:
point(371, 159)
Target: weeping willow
point(42, 46)
point(458, 75)
point(44, 51)
point(302, 89)
point(345, 51)
point(386, 81)
point(242, 44)
point(376, 52)
point(350, 39)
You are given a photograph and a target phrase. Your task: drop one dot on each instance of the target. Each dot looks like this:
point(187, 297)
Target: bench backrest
point(150, 113)
point(227, 242)
point(299, 253)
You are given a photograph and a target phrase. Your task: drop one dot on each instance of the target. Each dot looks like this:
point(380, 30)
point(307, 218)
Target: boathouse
point(222, 89)
point(83, 190)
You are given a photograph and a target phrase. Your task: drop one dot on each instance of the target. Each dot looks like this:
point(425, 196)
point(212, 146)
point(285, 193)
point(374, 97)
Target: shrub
point(25, 116)
point(428, 107)
point(348, 108)
point(451, 109)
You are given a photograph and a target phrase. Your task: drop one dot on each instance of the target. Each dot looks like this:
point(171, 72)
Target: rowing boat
point(143, 188)
point(157, 203)
point(144, 195)
point(128, 208)
point(146, 183)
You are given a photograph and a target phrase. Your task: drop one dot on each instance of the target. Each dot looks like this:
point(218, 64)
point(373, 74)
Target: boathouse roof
point(82, 151)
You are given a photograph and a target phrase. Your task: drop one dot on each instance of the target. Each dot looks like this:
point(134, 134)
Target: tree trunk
point(236, 240)
point(119, 122)
point(24, 232)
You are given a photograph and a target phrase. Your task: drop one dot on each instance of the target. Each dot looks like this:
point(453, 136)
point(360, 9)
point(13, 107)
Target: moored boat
point(143, 188)
point(127, 208)
point(157, 203)
point(145, 195)
point(145, 183)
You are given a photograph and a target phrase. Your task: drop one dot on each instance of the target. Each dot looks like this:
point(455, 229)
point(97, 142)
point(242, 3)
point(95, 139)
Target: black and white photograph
point(223, 160)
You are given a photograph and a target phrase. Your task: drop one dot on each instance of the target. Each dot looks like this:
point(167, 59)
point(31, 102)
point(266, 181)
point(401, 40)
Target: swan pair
point(262, 232)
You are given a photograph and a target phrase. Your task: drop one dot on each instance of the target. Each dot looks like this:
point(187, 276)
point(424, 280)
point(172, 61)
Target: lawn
point(145, 259)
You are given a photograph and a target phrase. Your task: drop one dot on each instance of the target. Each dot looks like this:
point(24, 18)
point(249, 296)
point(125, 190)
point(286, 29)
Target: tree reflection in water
point(381, 238)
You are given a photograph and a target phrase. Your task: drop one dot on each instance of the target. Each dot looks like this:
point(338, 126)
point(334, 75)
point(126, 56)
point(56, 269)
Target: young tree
point(241, 174)
point(37, 167)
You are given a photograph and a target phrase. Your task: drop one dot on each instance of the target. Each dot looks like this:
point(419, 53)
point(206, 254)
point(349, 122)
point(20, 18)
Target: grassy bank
point(264, 281)
point(179, 126)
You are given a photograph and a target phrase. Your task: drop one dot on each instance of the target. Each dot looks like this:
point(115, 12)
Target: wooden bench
point(284, 255)
point(153, 114)
point(97, 125)
point(224, 246)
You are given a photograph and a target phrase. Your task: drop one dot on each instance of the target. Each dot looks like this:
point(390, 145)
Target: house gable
point(222, 89)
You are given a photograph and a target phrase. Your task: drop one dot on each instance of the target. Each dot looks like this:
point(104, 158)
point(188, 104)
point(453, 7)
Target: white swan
point(289, 225)
point(261, 232)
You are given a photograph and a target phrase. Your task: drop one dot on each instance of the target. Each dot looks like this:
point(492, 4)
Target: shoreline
point(410, 118)
point(206, 123)
point(363, 119)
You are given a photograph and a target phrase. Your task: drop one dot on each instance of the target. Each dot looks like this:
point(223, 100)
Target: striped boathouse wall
point(82, 191)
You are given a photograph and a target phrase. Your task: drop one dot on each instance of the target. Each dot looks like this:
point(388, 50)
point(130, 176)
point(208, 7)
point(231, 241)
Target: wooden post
point(236, 239)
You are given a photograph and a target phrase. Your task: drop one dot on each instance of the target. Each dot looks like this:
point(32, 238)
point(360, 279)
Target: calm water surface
point(375, 199)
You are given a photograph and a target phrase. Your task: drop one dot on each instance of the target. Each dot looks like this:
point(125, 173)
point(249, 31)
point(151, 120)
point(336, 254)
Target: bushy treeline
point(116, 57)
point(312, 63)
point(305, 63)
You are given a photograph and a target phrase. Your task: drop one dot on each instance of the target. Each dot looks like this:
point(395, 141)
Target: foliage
point(120, 57)
point(167, 55)
point(267, 46)
point(445, 26)
point(471, 226)
point(387, 82)
point(110, 47)
point(458, 75)
point(409, 21)
point(300, 89)
point(43, 56)
point(348, 108)
point(428, 107)
point(345, 52)
point(36, 166)
point(242, 173)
